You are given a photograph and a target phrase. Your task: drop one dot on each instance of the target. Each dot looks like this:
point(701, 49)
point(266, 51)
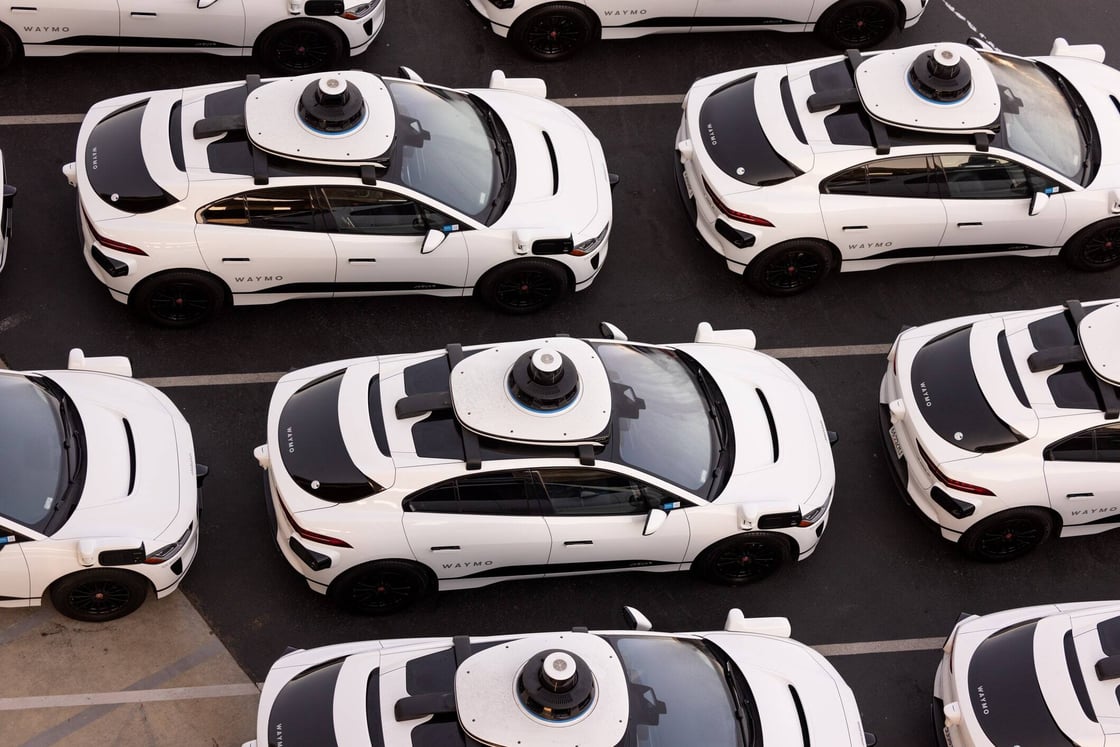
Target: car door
point(15, 580)
point(734, 15)
point(1083, 477)
point(270, 243)
point(987, 208)
point(888, 210)
point(596, 519)
point(379, 237)
point(181, 25)
point(480, 526)
point(647, 15)
point(92, 25)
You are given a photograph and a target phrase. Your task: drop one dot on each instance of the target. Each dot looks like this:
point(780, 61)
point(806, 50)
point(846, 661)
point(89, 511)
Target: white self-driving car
point(1005, 428)
point(748, 684)
point(551, 30)
point(7, 198)
point(290, 36)
point(1044, 675)
point(344, 184)
point(391, 476)
point(99, 501)
point(932, 152)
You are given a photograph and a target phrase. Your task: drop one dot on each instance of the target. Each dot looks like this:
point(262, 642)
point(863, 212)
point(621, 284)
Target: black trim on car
point(135, 41)
point(706, 21)
point(114, 267)
point(396, 286)
point(316, 561)
point(553, 568)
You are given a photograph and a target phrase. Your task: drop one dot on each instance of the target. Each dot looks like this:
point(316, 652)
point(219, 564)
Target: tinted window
point(733, 136)
point(909, 176)
point(1097, 445)
point(950, 399)
point(367, 210)
point(495, 493)
point(303, 712)
point(115, 163)
point(281, 208)
point(588, 492)
point(977, 176)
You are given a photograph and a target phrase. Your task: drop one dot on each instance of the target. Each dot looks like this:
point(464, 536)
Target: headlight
point(586, 247)
point(812, 517)
point(167, 552)
point(361, 10)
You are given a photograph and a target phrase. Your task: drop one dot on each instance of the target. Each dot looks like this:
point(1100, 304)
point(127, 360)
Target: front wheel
point(857, 24)
point(178, 299)
point(789, 268)
point(10, 47)
point(99, 595)
point(1095, 248)
point(381, 587)
point(523, 286)
point(303, 46)
point(552, 32)
point(1007, 535)
point(742, 559)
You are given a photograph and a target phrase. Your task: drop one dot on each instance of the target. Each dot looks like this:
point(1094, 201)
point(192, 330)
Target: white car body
point(640, 683)
point(7, 197)
point(50, 28)
point(614, 21)
point(554, 209)
point(945, 180)
point(547, 493)
point(135, 508)
point(1035, 675)
point(1011, 431)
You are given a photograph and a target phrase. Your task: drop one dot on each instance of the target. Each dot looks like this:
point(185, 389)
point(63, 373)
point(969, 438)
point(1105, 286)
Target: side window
point(282, 208)
point(1097, 445)
point(906, 176)
point(979, 176)
point(586, 492)
point(1108, 443)
point(368, 210)
point(494, 493)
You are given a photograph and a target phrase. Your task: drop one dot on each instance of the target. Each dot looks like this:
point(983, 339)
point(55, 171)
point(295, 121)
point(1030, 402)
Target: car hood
point(1099, 85)
point(561, 172)
point(139, 458)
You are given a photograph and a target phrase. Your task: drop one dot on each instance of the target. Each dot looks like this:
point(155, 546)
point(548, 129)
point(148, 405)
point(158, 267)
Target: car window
point(368, 210)
point(978, 176)
point(492, 493)
point(907, 176)
point(282, 208)
point(590, 492)
point(1095, 445)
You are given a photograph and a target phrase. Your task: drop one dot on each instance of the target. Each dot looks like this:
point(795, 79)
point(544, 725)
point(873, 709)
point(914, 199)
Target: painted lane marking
point(41, 119)
point(881, 647)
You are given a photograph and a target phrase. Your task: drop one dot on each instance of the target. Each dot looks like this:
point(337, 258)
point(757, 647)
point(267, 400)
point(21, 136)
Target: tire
point(99, 595)
point(1094, 248)
point(11, 49)
point(857, 24)
point(178, 299)
point(742, 559)
point(789, 268)
point(553, 32)
point(1007, 535)
point(302, 46)
point(523, 286)
point(381, 587)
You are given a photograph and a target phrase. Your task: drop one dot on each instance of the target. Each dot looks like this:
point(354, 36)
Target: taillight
point(311, 536)
point(119, 246)
point(754, 220)
point(956, 484)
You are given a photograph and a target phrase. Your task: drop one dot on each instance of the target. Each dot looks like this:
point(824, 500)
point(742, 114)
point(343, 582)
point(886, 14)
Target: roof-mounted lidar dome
point(933, 88)
point(556, 686)
point(332, 105)
point(543, 380)
point(939, 75)
point(346, 117)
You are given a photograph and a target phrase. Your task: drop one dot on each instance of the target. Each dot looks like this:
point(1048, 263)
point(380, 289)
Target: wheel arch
point(10, 32)
point(228, 293)
point(429, 573)
point(485, 276)
point(272, 29)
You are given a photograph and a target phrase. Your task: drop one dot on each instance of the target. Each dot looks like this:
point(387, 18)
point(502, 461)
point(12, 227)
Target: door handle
point(970, 224)
point(354, 260)
point(568, 543)
point(235, 259)
point(444, 548)
point(23, 9)
point(1079, 495)
point(855, 228)
point(143, 14)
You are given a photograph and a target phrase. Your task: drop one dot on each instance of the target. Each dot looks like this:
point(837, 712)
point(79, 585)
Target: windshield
point(663, 423)
point(1040, 119)
point(682, 693)
point(40, 459)
point(447, 147)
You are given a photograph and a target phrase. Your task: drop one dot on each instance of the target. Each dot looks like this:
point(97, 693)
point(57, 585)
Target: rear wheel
point(99, 595)
point(178, 299)
point(303, 46)
point(857, 23)
point(552, 32)
point(381, 587)
point(1095, 248)
point(1007, 535)
point(523, 286)
point(10, 47)
point(742, 559)
point(789, 268)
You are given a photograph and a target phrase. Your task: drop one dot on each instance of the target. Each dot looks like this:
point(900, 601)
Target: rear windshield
point(734, 138)
point(949, 397)
point(115, 163)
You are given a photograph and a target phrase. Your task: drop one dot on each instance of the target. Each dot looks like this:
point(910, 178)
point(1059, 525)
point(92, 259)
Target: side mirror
point(432, 241)
point(612, 332)
point(409, 74)
point(654, 521)
point(1039, 200)
point(110, 364)
point(636, 620)
point(736, 622)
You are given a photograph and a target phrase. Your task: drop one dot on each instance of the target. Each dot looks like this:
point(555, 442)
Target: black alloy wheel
point(1007, 536)
point(381, 588)
point(789, 268)
point(556, 34)
point(100, 595)
point(304, 50)
point(858, 23)
point(1101, 249)
point(181, 303)
point(524, 286)
point(743, 559)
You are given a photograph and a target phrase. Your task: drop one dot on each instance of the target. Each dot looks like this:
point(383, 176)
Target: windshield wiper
point(740, 701)
point(1084, 123)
